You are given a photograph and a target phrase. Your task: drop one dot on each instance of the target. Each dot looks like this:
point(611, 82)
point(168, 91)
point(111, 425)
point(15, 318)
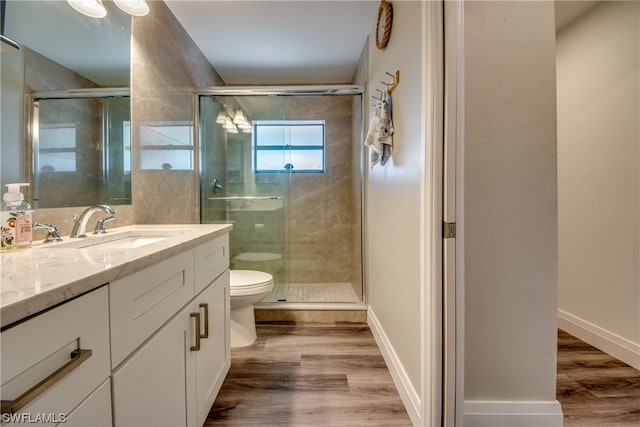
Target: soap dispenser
point(15, 219)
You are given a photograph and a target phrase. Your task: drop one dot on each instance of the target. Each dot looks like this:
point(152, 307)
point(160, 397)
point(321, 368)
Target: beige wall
point(510, 203)
point(166, 69)
point(598, 58)
point(394, 194)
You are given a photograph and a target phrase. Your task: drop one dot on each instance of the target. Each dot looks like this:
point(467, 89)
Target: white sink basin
point(124, 240)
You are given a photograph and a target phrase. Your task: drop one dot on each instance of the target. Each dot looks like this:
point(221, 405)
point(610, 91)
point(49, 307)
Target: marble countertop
point(48, 274)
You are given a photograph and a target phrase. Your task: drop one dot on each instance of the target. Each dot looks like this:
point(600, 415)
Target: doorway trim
point(452, 213)
point(433, 396)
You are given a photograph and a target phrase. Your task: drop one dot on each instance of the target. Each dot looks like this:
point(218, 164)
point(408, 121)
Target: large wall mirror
point(65, 110)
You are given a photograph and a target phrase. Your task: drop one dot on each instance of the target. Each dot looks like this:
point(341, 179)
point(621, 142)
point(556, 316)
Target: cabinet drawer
point(34, 350)
point(142, 302)
point(211, 259)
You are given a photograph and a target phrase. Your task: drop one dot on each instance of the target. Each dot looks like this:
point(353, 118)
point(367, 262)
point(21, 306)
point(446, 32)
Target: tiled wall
point(167, 67)
point(319, 214)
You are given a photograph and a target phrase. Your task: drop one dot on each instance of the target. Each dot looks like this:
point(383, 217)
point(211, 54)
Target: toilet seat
point(248, 282)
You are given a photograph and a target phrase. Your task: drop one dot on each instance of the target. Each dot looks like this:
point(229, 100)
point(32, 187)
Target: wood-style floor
point(594, 388)
point(334, 375)
point(309, 375)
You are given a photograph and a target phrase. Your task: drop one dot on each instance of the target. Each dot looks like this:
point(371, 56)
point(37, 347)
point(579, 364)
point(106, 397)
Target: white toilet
point(247, 288)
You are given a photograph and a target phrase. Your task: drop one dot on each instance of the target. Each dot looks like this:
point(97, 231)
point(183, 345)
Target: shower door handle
point(216, 186)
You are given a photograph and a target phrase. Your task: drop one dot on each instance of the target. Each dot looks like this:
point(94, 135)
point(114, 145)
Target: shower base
point(312, 293)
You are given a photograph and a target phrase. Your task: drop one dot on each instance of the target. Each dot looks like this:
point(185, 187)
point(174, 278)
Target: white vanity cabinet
point(150, 389)
point(173, 377)
point(55, 366)
point(213, 359)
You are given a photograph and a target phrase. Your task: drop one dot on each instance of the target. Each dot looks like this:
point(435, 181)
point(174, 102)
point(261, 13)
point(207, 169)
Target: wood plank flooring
point(309, 375)
point(334, 375)
point(594, 388)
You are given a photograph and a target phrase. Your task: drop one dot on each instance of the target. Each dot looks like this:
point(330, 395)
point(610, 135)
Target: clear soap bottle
point(15, 219)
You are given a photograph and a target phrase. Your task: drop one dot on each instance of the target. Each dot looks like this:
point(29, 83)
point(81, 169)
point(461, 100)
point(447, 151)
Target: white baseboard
point(410, 397)
point(612, 344)
point(480, 413)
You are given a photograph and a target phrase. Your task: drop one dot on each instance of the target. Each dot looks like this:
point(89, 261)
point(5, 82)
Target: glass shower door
point(232, 191)
point(291, 187)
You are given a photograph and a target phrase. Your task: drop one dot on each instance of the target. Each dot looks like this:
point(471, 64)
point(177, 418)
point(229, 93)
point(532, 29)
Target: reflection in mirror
point(64, 51)
point(81, 149)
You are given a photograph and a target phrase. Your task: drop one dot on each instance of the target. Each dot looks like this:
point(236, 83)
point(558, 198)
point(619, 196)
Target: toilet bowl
point(247, 287)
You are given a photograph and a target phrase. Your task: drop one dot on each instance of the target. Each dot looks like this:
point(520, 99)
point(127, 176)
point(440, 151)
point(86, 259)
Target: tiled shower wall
point(320, 216)
point(166, 67)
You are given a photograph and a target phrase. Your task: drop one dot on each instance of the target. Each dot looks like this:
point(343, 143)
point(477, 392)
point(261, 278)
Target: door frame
point(433, 348)
point(452, 212)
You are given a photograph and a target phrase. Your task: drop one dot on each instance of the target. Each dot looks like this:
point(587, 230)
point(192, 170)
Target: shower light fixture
point(229, 126)
point(221, 118)
point(239, 118)
point(133, 7)
point(239, 121)
point(91, 8)
point(242, 122)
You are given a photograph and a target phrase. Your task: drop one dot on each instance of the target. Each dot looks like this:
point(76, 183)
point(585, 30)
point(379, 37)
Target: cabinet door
point(214, 358)
point(95, 411)
point(153, 387)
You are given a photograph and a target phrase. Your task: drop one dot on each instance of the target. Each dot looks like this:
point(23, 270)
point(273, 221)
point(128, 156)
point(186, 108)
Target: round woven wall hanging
point(383, 24)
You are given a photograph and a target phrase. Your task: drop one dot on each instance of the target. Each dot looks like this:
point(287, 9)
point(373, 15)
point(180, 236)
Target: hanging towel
point(379, 136)
point(385, 128)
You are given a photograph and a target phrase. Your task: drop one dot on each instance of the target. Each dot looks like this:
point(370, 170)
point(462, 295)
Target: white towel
point(379, 136)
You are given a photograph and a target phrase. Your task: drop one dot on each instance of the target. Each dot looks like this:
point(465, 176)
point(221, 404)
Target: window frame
point(287, 147)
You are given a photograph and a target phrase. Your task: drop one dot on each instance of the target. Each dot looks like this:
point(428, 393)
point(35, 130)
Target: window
point(57, 147)
point(166, 146)
point(295, 146)
point(126, 147)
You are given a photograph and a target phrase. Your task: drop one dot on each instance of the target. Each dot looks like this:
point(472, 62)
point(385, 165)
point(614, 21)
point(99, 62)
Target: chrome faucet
point(53, 235)
point(80, 225)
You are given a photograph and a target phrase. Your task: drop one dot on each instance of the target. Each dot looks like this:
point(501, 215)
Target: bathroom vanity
point(128, 328)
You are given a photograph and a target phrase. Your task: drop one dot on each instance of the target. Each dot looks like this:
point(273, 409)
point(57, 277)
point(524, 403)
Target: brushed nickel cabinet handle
point(77, 357)
point(206, 320)
point(197, 317)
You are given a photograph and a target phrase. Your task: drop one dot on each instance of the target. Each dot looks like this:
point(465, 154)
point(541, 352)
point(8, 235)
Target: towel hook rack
point(395, 80)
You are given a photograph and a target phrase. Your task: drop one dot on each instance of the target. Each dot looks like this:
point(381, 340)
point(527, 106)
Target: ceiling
point(246, 41)
point(279, 42)
point(100, 47)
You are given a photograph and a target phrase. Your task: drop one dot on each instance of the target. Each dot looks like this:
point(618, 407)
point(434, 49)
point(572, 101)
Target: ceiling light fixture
point(92, 8)
point(133, 7)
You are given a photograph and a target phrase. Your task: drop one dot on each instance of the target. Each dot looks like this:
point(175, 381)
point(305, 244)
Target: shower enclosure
point(80, 147)
point(284, 166)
